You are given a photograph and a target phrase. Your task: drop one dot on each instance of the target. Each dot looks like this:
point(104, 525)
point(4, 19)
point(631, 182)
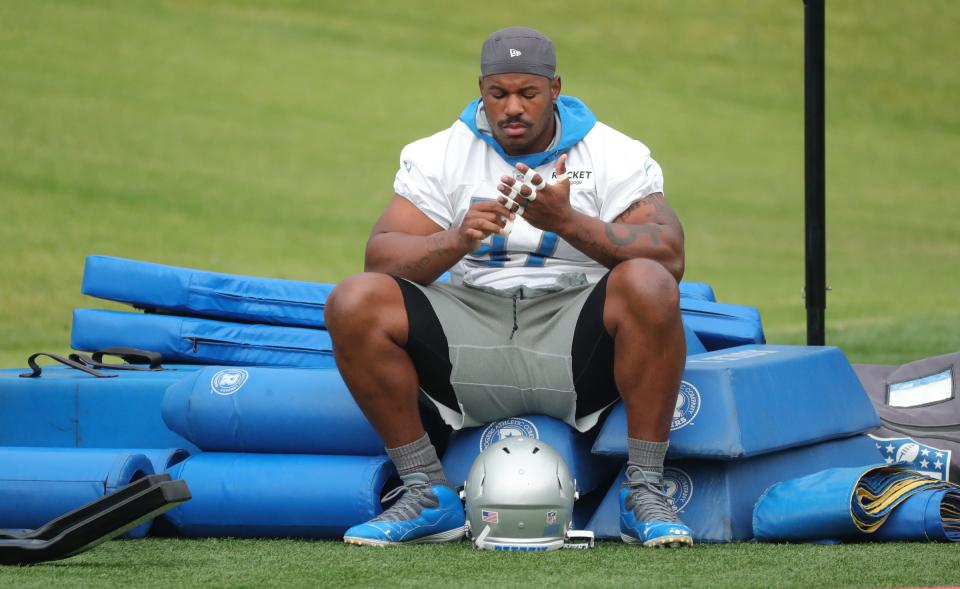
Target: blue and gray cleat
point(647, 515)
point(422, 513)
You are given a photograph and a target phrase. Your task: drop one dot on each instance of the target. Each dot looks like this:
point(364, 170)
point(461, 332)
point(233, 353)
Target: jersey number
point(495, 254)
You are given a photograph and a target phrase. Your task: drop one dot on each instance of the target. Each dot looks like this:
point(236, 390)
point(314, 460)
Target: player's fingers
point(486, 227)
point(498, 218)
point(515, 206)
point(531, 177)
point(474, 234)
point(562, 164)
point(538, 181)
point(560, 175)
point(514, 191)
point(511, 187)
point(494, 206)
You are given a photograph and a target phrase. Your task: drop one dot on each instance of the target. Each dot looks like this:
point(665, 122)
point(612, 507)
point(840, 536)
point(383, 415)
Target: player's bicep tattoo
point(649, 217)
point(621, 234)
point(651, 208)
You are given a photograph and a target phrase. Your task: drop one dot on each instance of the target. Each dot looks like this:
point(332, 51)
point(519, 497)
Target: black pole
point(815, 288)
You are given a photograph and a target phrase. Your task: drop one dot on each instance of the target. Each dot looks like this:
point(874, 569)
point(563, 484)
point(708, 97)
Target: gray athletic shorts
point(484, 354)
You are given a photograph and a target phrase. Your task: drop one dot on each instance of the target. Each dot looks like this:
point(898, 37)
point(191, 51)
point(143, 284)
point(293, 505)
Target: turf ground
point(262, 138)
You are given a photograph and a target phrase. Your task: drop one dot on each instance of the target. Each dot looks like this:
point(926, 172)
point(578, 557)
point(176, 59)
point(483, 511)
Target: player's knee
point(357, 302)
point(646, 288)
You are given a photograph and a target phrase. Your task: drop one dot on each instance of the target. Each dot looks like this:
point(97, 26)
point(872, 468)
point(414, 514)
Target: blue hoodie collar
point(576, 120)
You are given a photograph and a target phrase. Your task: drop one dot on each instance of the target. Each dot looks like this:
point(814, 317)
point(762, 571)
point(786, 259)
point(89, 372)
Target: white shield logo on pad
point(229, 381)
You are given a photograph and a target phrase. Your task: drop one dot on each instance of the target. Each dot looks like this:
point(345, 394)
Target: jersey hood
point(576, 120)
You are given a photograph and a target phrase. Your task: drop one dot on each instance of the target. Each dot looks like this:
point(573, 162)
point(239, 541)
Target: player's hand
point(551, 207)
point(482, 219)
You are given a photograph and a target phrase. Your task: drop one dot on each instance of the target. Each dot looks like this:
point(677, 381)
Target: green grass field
point(262, 138)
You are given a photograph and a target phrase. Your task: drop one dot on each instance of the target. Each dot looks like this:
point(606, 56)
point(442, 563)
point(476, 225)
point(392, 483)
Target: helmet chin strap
point(481, 538)
point(579, 539)
point(575, 539)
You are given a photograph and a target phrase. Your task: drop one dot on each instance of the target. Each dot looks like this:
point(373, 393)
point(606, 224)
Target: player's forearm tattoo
point(439, 244)
point(586, 237)
point(401, 269)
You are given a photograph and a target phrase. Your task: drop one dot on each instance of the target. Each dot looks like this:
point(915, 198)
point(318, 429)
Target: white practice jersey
point(445, 173)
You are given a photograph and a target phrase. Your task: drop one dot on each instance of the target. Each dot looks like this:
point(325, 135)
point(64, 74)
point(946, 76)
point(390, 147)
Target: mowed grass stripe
point(298, 563)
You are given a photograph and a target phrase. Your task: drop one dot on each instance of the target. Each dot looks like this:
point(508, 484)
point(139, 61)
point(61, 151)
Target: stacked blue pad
point(278, 495)
point(206, 294)
point(879, 502)
point(720, 325)
point(756, 399)
point(589, 470)
point(272, 410)
point(64, 407)
point(208, 341)
point(716, 498)
point(157, 287)
point(202, 341)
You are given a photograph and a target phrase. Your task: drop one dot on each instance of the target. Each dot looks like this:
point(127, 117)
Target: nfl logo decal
point(491, 517)
point(929, 460)
point(551, 517)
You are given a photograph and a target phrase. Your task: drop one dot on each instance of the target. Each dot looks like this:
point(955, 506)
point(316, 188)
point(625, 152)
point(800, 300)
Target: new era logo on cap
point(518, 50)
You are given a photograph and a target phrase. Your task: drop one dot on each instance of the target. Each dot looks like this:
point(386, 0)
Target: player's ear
point(480, 83)
point(555, 89)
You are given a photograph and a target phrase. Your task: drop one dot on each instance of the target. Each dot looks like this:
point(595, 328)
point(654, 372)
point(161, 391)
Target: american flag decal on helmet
point(491, 517)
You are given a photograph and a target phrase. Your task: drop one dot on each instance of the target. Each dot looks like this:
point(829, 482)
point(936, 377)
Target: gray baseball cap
point(519, 50)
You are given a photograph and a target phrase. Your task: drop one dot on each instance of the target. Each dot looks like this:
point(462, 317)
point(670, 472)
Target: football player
point(564, 258)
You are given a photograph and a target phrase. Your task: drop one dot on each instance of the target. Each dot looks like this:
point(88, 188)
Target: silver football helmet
point(519, 496)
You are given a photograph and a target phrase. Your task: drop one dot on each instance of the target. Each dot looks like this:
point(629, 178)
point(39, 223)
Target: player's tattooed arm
point(648, 228)
point(406, 243)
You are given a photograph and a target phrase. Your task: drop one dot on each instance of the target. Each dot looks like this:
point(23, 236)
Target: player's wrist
point(568, 223)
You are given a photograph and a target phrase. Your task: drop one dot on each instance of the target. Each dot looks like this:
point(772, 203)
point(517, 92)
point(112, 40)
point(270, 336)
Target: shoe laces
point(412, 498)
point(646, 498)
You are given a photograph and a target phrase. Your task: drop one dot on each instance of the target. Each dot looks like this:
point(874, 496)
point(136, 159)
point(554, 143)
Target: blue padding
point(206, 294)
point(229, 296)
point(716, 498)
point(697, 290)
point(719, 325)
point(163, 459)
point(587, 469)
point(756, 399)
point(826, 506)
point(694, 346)
point(40, 484)
point(277, 495)
point(202, 341)
point(64, 407)
point(280, 410)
